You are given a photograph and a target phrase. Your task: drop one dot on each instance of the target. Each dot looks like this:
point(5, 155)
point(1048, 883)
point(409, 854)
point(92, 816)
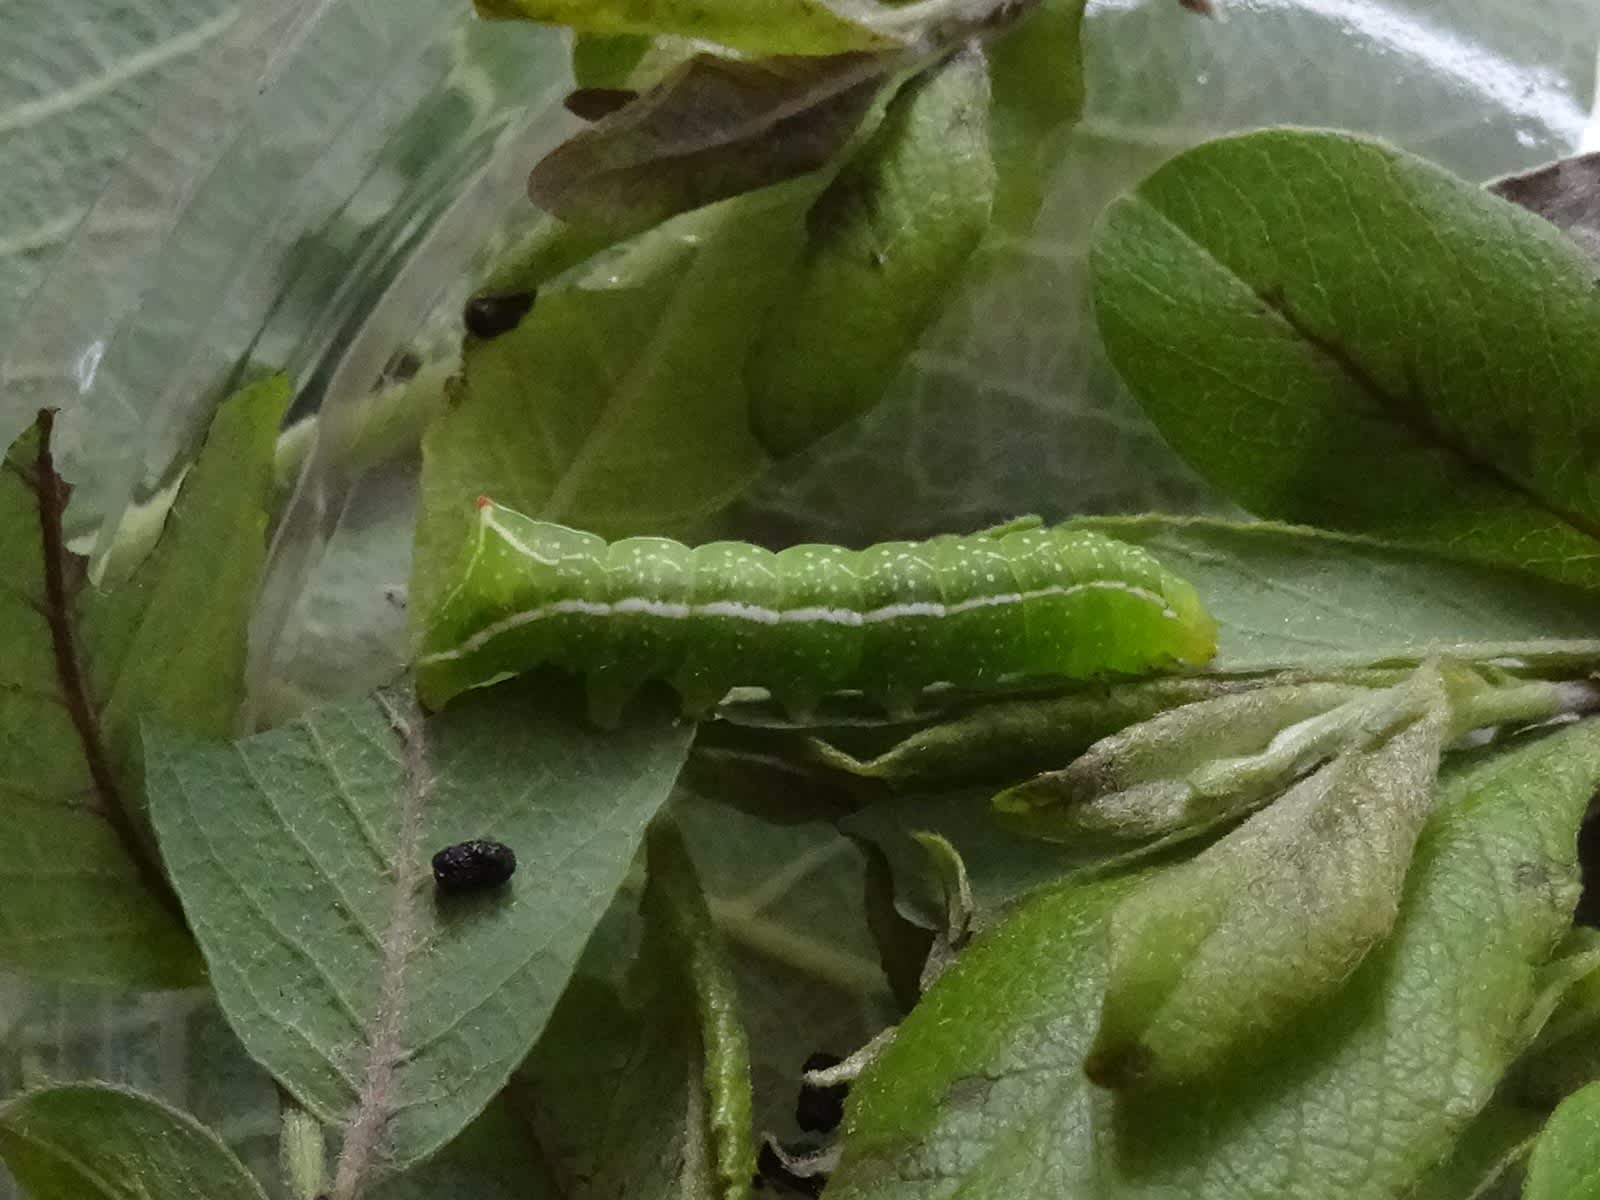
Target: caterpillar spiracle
point(1017, 602)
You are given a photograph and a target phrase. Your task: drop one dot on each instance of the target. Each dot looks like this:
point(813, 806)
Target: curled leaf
point(687, 946)
point(982, 1093)
point(1010, 739)
point(1189, 766)
point(1227, 947)
point(713, 128)
point(960, 909)
point(885, 243)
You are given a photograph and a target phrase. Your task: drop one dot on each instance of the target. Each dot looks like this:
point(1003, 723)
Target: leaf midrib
point(1410, 418)
point(58, 612)
point(1415, 419)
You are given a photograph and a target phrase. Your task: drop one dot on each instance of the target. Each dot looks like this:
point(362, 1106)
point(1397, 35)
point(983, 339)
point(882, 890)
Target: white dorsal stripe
point(737, 610)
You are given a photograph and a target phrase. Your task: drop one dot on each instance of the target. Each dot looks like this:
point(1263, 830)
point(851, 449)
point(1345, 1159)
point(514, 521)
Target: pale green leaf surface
point(755, 26)
point(982, 1093)
point(94, 1142)
point(302, 1151)
point(1566, 1159)
point(612, 407)
point(83, 668)
point(301, 855)
point(1334, 332)
point(886, 242)
point(1227, 948)
point(1286, 596)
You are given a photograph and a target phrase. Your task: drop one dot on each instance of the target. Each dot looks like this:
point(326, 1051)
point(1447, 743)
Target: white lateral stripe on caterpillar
point(674, 611)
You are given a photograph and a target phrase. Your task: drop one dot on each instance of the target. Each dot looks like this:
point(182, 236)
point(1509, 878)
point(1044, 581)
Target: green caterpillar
point(1016, 602)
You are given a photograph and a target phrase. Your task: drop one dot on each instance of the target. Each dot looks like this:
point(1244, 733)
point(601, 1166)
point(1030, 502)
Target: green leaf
point(714, 128)
point(1295, 597)
point(886, 243)
point(682, 940)
point(1566, 1158)
point(548, 248)
point(982, 1090)
point(754, 26)
point(95, 1142)
point(168, 645)
point(301, 855)
point(982, 1093)
point(612, 407)
point(1335, 332)
point(85, 896)
point(1225, 949)
point(1036, 70)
